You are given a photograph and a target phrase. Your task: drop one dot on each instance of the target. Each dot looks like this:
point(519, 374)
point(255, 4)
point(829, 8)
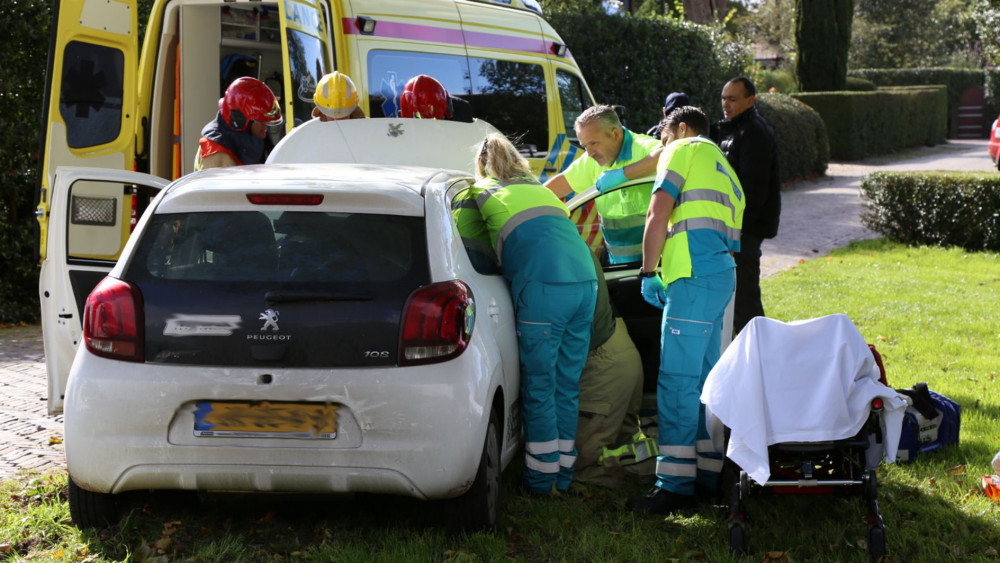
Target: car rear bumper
point(417, 431)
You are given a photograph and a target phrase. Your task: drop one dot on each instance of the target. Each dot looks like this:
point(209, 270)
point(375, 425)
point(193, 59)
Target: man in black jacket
point(748, 143)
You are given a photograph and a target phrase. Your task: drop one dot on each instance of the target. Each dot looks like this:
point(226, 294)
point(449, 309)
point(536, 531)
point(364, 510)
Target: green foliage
point(986, 17)
point(956, 79)
point(991, 85)
point(887, 34)
point(935, 208)
point(865, 124)
point(803, 149)
point(636, 61)
point(782, 80)
point(855, 84)
point(823, 36)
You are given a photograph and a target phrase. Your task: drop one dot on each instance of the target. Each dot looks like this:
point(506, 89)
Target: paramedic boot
point(660, 501)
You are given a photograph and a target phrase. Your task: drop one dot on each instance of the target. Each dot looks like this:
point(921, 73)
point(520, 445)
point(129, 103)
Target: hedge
point(803, 148)
point(855, 84)
point(636, 61)
point(864, 124)
point(935, 208)
point(957, 81)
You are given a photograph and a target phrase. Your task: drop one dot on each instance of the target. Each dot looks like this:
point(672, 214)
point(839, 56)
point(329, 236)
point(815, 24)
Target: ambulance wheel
point(876, 542)
point(91, 510)
point(479, 507)
point(738, 541)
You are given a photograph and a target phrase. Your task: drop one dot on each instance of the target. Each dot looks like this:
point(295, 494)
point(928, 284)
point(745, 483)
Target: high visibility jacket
point(708, 208)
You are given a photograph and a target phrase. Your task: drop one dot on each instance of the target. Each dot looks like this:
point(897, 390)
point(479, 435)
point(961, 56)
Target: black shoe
point(660, 501)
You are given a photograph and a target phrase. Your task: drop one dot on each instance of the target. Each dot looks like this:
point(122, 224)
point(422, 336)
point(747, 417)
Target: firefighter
point(692, 230)
point(236, 136)
point(336, 98)
point(425, 98)
point(553, 286)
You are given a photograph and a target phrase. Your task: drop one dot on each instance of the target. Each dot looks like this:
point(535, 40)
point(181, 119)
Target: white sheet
point(805, 381)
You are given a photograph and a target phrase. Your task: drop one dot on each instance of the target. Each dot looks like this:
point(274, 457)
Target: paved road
point(816, 217)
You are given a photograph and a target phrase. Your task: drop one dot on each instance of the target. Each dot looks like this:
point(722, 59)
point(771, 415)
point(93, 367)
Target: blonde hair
point(498, 158)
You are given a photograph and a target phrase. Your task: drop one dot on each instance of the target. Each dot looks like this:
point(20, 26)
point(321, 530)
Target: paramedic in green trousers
point(553, 287)
point(692, 229)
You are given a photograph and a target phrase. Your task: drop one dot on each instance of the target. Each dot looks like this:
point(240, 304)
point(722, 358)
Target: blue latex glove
point(609, 179)
point(653, 291)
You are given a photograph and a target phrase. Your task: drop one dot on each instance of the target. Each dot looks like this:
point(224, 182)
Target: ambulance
point(124, 122)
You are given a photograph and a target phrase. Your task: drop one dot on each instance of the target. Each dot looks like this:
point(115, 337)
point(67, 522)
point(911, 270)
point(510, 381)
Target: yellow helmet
point(336, 96)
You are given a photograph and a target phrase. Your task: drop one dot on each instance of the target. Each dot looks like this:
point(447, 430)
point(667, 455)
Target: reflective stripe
point(675, 178)
point(704, 223)
point(713, 196)
point(624, 222)
point(710, 464)
point(541, 466)
point(539, 448)
point(517, 219)
point(467, 203)
point(706, 446)
point(566, 445)
point(676, 469)
point(680, 452)
point(567, 460)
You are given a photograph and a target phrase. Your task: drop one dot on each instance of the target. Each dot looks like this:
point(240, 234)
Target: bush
point(782, 80)
point(803, 148)
point(864, 124)
point(860, 85)
point(636, 61)
point(991, 84)
point(935, 208)
point(957, 81)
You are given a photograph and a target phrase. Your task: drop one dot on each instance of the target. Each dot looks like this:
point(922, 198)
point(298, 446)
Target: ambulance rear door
point(92, 214)
point(306, 54)
point(90, 94)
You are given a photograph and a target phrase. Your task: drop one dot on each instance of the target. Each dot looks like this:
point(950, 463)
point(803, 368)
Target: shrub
point(860, 85)
point(957, 81)
point(935, 208)
point(636, 61)
point(803, 148)
point(864, 124)
point(782, 80)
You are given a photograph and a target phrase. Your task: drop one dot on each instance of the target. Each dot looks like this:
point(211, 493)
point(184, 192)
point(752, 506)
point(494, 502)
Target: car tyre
point(479, 507)
point(91, 510)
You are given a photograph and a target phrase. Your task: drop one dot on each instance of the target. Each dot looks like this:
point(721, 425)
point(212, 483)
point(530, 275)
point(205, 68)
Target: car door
point(91, 214)
point(306, 55)
point(90, 96)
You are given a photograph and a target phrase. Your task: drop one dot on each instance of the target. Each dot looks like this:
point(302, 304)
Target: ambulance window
point(388, 72)
point(91, 97)
point(573, 99)
point(511, 97)
point(305, 58)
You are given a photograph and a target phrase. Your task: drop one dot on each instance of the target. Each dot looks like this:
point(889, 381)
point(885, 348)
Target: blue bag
point(933, 421)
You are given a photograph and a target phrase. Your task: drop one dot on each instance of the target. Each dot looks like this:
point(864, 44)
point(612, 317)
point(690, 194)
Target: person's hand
point(653, 291)
point(609, 179)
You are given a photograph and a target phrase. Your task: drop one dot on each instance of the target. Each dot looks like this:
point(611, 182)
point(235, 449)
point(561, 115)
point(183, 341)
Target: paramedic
point(425, 98)
point(748, 143)
point(614, 154)
point(336, 98)
point(674, 100)
point(610, 397)
point(553, 286)
point(692, 228)
point(236, 136)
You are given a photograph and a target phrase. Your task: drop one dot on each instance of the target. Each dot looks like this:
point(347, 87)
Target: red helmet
point(248, 99)
point(424, 97)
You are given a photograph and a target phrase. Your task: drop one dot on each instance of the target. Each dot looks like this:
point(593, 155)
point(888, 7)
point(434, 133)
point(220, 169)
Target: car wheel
point(479, 507)
point(91, 510)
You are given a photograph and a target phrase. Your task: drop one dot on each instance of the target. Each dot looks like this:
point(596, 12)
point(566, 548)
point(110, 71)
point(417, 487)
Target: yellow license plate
point(265, 420)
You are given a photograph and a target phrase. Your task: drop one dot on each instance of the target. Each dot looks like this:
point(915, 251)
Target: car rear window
point(293, 247)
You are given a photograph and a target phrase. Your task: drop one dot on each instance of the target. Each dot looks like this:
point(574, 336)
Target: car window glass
point(511, 97)
point(388, 72)
point(573, 99)
point(612, 224)
point(92, 94)
point(305, 59)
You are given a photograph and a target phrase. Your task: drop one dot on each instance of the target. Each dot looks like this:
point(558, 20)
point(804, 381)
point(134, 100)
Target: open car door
point(92, 212)
point(90, 96)
point(306, 56)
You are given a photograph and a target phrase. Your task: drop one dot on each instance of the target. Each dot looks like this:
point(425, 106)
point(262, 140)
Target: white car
point(293, 326)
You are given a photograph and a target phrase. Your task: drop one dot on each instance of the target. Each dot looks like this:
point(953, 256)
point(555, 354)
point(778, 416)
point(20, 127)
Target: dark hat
point(676, 100)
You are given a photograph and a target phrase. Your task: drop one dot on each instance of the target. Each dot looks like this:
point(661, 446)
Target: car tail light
point(437, 323)
point(113, 322)
point(285, 199)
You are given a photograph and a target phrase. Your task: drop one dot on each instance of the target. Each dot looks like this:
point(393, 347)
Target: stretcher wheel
point(876, 542)
point(744, 485)
point(871, 485)
point(738, 541)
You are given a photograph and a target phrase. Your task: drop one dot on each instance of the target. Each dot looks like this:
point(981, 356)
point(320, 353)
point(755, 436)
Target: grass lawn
point(932, 313)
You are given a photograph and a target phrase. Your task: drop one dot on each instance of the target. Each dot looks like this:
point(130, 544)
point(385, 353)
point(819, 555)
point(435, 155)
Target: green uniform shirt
point(583, 172)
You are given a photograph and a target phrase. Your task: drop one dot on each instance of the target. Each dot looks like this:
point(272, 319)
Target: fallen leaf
point(957, 470)
point(777, 557)
point(4, 547)
point(162, 544)
point(991, 552)
point(53, 440)
point(932, 481)
point(267, 518)
point(58, 554)
point(803, 261)
point(829, 258)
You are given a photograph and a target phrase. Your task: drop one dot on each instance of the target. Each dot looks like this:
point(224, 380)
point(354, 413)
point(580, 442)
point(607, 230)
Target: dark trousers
point(748, 304)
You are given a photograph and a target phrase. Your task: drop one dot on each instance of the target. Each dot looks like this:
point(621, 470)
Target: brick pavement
point(816, 217)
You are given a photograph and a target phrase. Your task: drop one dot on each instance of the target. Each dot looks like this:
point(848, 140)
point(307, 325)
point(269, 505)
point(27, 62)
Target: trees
point(887, 35)
point(823, 35)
